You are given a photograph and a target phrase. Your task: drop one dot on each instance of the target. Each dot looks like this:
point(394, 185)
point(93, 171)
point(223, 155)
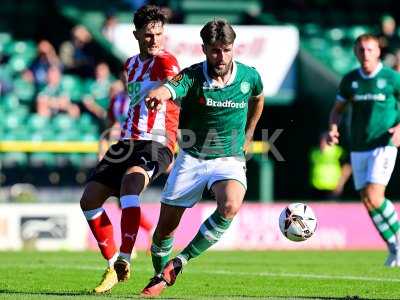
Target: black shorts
point(149, 155)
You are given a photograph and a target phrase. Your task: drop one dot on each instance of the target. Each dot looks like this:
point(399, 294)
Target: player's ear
point(203, 47)
point(135, 34)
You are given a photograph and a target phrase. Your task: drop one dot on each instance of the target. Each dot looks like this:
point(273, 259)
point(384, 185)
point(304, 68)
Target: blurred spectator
point(46, 57)
point(96, 100)
point(397, 61)
point(109, 26)
point(52, 99)
point(135, 4)
point(77, 54)
point(116, 115)
point(329, 170)
point(389, 41)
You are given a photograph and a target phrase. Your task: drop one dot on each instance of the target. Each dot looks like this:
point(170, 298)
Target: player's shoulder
point(389, 72)
point(130, 61)
point(246, 69)
point(195, 68)
point(165, 56)
point(351, 75)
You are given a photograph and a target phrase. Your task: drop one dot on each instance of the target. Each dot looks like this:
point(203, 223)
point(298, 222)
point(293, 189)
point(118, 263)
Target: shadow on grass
point(72, 294)
point(119, 296)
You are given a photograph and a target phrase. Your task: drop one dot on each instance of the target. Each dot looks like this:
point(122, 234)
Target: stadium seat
point(37, 122)
point(201, 18)
point(41, 159)
point(13, 159)
point(72, 86)
point(9, 102)
point(62, 123)
point(24, 90)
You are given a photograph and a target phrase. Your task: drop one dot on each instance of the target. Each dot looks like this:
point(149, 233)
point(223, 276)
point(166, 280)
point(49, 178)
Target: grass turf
point(214, 275)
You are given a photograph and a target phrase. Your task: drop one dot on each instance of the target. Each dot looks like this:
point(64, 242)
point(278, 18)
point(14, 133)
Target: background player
point(142, 154)
point(372, 90)
point(221, 103)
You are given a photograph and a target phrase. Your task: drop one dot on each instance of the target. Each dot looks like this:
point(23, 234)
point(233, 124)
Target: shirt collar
point(211, 83)
point(373, 74)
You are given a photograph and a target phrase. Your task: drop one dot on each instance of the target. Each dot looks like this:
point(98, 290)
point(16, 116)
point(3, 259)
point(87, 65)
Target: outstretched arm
point(256, 106)
point(334, 119)
point(157, 96)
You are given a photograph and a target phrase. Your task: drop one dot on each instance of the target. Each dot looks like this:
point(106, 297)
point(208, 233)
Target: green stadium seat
point(89, 160)
point(37, 122)
point(355, 31)
point(24, 90)
point(5, 38)
point(335, 34)
point(62, 123)
point(41, 159)
point(13, 159)
point(72, 85)
point(75, 159)
point(18, 63)
point(221, 6)
point(87, 124)
point(202, 18)
point(9, 102)
point(310, 30)
point(89, 137)
point(83, 160)
point(61, 159)
point(12, 121)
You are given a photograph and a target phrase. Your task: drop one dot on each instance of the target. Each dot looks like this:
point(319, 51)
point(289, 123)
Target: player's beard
point(214, 71)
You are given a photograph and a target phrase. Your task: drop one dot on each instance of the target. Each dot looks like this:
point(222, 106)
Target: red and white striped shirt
point(142, 124)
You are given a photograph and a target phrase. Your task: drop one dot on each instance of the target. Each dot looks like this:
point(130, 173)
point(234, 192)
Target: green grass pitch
point(214, 275)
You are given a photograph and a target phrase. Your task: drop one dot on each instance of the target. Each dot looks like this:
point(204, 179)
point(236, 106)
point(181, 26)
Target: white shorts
point(373, 166)
point(190, 176)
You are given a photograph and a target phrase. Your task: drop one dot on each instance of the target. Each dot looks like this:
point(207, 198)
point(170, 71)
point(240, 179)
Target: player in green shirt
point(373, 92)
point(221, 102)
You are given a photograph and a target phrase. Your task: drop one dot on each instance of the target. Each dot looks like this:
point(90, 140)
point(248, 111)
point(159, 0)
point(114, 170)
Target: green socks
point(160, 251)
point(209, 233)
point(386, 221)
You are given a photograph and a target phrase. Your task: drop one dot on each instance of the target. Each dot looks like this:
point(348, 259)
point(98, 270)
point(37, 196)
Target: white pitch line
point(219, 272)
point(304, 275)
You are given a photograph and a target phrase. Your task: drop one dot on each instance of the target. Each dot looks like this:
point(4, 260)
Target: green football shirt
point(374, 101)
point(213, 119)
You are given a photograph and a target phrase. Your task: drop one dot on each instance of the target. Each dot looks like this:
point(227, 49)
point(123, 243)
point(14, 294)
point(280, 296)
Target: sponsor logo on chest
point(225, 103)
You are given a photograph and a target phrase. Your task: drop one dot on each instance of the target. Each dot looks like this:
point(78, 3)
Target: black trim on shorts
point(152, 156)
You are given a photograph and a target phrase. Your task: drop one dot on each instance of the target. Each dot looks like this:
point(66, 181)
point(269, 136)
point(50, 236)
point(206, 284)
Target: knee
point(84, 202)
point(372, 197)
point(230, 209)
point(133, 183)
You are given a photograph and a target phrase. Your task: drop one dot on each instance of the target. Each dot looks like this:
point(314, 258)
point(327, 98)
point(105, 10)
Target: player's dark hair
point(365, 37)
point(218, 30)
point(147, 14)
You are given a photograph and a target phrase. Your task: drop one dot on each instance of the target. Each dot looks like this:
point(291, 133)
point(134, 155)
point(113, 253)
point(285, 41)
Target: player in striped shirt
point(143, 152)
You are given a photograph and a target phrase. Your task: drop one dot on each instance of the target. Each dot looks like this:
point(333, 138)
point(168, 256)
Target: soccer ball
point(297, 222)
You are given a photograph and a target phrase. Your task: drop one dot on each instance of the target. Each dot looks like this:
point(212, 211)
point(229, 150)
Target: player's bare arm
point(334, 120)
point(256, 105)
point(156, 96)
point(395, 131)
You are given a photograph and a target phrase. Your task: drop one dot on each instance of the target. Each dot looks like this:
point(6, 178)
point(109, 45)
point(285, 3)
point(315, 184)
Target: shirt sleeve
point(179, 85)
point(168, 66)
point(343, 93)
point(258, 85)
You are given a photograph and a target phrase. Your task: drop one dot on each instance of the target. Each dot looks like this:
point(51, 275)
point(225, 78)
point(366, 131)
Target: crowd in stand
point(68, 81)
